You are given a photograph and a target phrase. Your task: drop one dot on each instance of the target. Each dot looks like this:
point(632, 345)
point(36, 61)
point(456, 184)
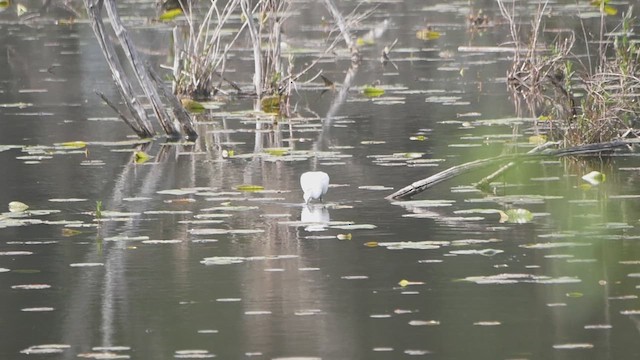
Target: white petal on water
point(487, 323)
point(430, 261)
point(382, 349)
point(103, 355)
point(178, 192)
point(111, 348)
point(118, 214)
point(126, 238)
point(15, 253)
point(414, 245)
point(556, 304)
point(204, 240)
point(572, 346)
point(518, 278)
point(45, 349)
point(172, 241)
point(424, 322)
point(417, 352)
point(224, 231)
point(598, 327)
point(258, 312)
point(559, 256)
point(232, 208)
point(4, 270)
point(582, 260)
point(68, 200)
point(37, 309)
point(193, 354)
point(466, 242)
point(133, 199)
point(31, 286)
point(87, 264)
point(308, 312)
point(274, 269)
point(212, 216)
point(309, 269)
point(380, 316)
point(228, 299)
point(171, 212)
point(200, 222)
point(375, 187)
point(208, 331)
point(484, 252)
point(222, 260)
point(630, 312)
point(355, 227)
point(354, 277)
point(553, 245)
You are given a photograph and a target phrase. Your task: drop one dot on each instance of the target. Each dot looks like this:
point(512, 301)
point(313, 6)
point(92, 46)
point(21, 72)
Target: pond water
point(183, 264)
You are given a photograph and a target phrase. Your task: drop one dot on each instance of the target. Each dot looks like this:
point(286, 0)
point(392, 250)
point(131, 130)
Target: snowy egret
point(314, 185)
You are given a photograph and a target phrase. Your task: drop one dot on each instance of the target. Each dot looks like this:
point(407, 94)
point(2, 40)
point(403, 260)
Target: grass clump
point(577, 102)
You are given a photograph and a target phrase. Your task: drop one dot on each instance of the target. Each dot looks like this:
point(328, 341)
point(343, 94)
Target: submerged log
point(424, 184)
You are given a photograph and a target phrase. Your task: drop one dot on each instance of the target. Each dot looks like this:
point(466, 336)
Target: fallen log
point(424, 184)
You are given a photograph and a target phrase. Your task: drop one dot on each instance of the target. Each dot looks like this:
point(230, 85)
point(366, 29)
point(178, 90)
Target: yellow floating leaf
point(17, 206)
point(277, 151)
point(594, 178)
point(344, 236)
point(270, 104)
point(170, 14)
point(544, 118)
point(403, 282)
point(427, 34)
point(249, 188)
point(73, 144)
point(371, 244)
point(192, 106)
point(21, 9)
point(503, 217)
point(4, 5)
point(585, 187)
point(372, 91)
point(362, 41)
point(227, 153)
point(418, 138)
point(66, 232)
point(537, 139)
point(610, 10)
point(141, 157)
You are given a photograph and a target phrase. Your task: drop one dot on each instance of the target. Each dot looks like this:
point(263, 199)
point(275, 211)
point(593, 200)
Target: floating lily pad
point(249, 188)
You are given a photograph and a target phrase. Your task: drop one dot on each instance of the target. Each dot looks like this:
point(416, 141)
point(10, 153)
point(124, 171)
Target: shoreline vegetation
point(577, 102)
point(202, 39)
point(580, 108)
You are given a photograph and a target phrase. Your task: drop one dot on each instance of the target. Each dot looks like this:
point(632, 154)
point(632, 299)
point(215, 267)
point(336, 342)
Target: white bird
point(314, 185)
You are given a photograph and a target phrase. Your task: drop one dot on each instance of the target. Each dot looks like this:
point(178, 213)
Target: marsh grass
point(547, 79)
point(209, 32)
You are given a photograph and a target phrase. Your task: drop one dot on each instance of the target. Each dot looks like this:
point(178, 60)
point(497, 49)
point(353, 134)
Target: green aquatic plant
point(98, 213)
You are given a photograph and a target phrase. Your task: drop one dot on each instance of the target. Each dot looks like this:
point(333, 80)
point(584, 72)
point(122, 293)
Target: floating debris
point(45, 349)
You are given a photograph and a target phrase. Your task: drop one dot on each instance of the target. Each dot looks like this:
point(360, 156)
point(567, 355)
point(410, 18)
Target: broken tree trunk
point(422, 185)
point(141, 124)
point(132, 55)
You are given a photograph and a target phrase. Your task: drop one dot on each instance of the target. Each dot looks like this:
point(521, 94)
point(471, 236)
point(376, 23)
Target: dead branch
point(422, 185)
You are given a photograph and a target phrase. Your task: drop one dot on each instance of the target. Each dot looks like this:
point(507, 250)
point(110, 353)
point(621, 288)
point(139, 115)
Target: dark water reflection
point(295, 289)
